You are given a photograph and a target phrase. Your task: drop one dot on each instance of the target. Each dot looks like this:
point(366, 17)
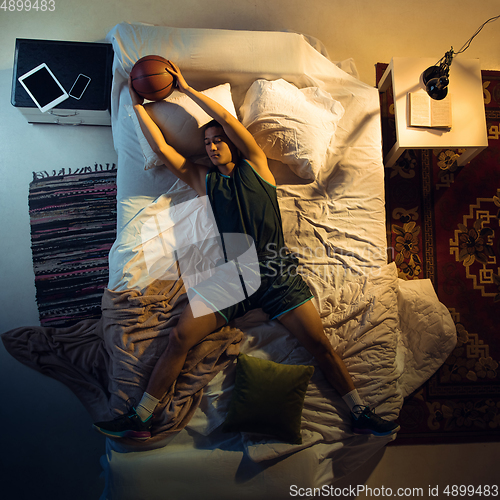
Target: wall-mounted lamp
point(436, 78)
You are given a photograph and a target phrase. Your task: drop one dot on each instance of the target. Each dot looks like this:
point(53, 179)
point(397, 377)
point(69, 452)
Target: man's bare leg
point(305, 324)
point(186, 334)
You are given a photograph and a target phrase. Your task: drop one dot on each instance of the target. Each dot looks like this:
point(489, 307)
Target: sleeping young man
point(242, 193)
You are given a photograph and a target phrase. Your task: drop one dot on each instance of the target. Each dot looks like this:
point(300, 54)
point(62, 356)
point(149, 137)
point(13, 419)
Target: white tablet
point(43, 87)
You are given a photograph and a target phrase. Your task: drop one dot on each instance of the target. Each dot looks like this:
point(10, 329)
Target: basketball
point(151, 79)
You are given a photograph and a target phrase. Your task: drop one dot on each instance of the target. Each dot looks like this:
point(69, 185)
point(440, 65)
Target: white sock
point(146, 406)
point(352, 400)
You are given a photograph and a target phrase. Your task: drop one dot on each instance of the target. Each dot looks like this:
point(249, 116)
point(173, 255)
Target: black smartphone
point(78, 88)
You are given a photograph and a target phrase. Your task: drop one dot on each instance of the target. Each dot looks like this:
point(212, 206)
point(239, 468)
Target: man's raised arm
point(234, 129)
point(192, 174)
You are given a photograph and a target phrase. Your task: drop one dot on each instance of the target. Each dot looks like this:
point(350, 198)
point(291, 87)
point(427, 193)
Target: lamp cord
point(468, 42)
point(446, 60)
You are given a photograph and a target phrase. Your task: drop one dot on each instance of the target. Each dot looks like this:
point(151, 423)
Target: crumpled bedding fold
point(107, 362)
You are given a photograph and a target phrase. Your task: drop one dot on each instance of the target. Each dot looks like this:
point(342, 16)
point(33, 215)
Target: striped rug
point(73, 226)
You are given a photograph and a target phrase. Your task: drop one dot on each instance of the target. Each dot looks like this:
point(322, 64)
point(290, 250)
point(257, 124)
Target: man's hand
point(181, 84)
point(136, 98)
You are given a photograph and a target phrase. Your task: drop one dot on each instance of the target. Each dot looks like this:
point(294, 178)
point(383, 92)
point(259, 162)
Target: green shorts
point(281, 290)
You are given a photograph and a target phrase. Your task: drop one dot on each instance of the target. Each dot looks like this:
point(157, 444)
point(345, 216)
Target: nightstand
point(468, 129)
point(66, 60)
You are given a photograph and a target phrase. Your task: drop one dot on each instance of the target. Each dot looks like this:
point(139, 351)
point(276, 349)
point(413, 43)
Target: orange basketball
point(151, 79)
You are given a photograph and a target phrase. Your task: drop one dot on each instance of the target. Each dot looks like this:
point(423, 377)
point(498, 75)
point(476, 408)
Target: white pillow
point(181, 120)
point(294, 126)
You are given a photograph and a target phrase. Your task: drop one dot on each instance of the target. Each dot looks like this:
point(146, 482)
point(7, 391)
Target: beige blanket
point(107, 362)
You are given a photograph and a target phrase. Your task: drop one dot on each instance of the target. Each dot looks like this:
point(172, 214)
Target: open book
point(427, 112)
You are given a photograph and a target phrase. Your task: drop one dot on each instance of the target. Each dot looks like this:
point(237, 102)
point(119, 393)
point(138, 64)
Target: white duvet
point(392, 334)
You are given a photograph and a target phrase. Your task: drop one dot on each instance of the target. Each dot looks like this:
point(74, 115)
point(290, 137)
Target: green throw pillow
point(268, 398)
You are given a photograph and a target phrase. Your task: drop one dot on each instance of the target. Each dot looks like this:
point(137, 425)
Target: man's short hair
point(210, 124)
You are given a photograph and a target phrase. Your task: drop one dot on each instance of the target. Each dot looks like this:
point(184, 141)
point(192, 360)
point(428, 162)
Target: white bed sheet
point(392, 334)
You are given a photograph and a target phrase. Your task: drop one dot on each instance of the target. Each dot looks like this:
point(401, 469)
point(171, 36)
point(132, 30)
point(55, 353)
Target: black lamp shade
point(435, 79)
point(437, 88)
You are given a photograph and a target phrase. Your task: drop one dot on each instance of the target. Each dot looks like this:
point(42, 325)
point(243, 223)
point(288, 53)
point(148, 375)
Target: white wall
point(48, 448)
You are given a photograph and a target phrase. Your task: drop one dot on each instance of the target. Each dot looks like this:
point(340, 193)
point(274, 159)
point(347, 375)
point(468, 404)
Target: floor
point(49, 450)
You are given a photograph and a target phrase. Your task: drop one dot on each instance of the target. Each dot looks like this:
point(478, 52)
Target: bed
point(320, 127)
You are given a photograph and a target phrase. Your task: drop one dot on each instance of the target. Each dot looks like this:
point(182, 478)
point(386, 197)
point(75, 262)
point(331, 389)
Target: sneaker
point(367, 422)
point(130, 426)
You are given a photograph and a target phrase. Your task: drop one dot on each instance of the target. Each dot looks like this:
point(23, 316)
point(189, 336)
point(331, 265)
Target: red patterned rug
point(443, 224)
